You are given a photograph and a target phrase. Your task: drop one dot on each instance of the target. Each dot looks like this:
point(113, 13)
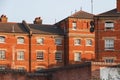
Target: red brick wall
point(101, 34)
point(82, 32)
point(118, 5)
point(49, 48)
point(11, 47)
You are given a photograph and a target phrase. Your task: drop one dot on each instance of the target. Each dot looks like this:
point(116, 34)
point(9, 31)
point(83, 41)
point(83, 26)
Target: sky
point(50, 11)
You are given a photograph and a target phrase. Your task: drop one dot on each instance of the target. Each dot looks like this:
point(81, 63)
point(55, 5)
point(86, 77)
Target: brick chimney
point(118, 6)
point(3, 18)
point(38, 20)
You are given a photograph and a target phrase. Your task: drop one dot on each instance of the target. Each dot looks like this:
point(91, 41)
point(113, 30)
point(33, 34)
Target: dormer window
point(109, 25)
point(2, 39)
point(74, 25)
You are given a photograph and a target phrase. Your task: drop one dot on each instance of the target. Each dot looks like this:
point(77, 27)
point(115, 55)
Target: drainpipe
point(30, 42)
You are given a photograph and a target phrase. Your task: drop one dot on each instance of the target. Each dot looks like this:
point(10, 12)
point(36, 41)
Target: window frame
point(58, 56)
point(90, 43)
point(41, 42)
point(21, 55)
point(58, 41)
point(2, 39)
point(40, 57)
point(76, 42)
point(74, 25)
point(109, 25)
point(2, 54)
point(19, 40)
point(109, 60)
point(109, 44)
point(76, 57)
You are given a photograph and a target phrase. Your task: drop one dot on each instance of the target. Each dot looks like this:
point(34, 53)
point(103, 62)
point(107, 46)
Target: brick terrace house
point(38, 46)
point(79, 39)
point(107, 36)
point(30, 46)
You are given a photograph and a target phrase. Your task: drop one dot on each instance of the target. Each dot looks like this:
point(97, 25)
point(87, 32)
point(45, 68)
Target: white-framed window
point(20, 55)
point(89, 42)
point(39, 68)
point(40, 55)
point(40, 41)
point(77, 41)
point(109, 44)
point(2, 67)
point(20, 40)
point(21, 68)
point(58, 41)
point(77, 56)
point(109, 25)
point(2, 39)
point(58, 56)
point(74, 25)
point(109, 60)
point(2, 54)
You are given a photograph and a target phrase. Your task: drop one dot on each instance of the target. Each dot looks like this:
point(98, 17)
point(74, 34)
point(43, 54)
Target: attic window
point(109, 25)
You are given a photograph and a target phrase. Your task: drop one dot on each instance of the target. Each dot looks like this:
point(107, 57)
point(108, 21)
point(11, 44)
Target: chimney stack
point(3, 18)
point(38, 20)
point(118, 6)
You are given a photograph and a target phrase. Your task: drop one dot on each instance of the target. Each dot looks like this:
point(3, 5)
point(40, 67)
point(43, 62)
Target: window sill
point(109, 49)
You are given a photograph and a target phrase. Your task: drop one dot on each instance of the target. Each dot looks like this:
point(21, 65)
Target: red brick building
point(107, 36)
point(78, 37)
point(38, 46)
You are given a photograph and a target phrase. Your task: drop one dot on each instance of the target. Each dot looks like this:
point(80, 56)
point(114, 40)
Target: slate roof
point(82, 14)
point(45, 29)
point(112, 12)
point(12, 28)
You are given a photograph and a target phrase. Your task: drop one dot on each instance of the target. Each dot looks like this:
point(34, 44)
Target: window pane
point(2, 54)
point(74, 25)
point(2, 39)
point(77, 42)
point(20, 40)
point(58, 56)
point(40, 41)
point(58, 41)
point(89, 42)
point(20, 55)
point(109, 44)
point(40, 55)
point(77, 56)
point(109, 25)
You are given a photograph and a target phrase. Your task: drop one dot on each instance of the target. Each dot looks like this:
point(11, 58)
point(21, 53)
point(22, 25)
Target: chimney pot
point(3, 18)
point(38, 20)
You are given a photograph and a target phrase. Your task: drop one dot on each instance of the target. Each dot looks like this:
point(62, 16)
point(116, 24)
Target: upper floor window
point(58, 56)
point(109, 44)
point(88, 42)
point(77, 56)
point(109, 25)
point(40, 55)
point(74, 25)
point(58, 41)
point(77, 42)
point(2, 39)
point(20, 55)
point(2, 54)
point(20, 40)
point(40, 41)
